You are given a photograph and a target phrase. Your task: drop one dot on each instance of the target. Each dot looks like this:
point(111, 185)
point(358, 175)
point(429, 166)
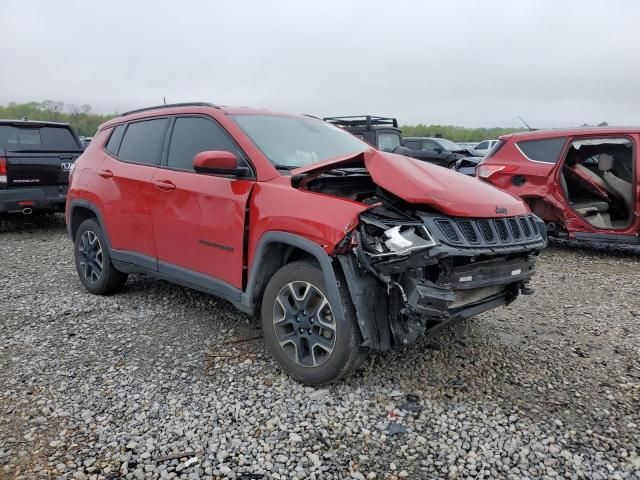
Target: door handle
point(164, 185)
point(105, 173)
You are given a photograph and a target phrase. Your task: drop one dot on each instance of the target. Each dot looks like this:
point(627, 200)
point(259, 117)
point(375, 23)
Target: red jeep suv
point(583, 182)
point(339, 247)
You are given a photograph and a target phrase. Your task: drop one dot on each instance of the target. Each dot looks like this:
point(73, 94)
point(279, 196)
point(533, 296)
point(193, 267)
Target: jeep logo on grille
point(501, 211)
point(65, 166)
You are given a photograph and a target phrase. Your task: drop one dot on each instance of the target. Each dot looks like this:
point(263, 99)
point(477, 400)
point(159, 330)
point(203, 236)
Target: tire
point(93, 262)
point(300, 283)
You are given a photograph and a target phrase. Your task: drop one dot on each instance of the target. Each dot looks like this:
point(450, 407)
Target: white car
point(483, 148)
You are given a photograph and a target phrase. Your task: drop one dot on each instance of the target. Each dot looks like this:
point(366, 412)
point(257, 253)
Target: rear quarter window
point(114, 140)
point(547, 150)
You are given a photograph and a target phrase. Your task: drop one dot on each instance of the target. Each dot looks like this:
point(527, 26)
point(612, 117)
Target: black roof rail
point(169, 105)
point(362, 121)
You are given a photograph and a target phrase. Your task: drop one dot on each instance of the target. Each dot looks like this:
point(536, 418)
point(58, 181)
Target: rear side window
point(142, 141)
point(413, 144)
point(430, 146)
point(114, 139)
point(37, 138)
point(193, 135)
point(547, 151)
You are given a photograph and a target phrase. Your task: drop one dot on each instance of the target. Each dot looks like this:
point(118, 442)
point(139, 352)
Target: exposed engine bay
point(414, 270)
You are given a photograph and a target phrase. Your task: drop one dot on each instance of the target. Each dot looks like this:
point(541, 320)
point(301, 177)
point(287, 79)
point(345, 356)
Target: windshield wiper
point(345, 171)
point(280, 166)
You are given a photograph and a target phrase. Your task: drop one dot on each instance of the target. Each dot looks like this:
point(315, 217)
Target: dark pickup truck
point(35, 160)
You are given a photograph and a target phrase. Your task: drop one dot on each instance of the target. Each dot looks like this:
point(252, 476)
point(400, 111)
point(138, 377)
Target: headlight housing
point(403, 239)
point(392, 238)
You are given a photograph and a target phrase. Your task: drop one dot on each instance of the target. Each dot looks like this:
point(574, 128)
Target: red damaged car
point(582, 182)
point(338, 247)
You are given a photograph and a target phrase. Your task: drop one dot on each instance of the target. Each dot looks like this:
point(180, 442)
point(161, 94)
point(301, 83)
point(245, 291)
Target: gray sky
point(470, 63)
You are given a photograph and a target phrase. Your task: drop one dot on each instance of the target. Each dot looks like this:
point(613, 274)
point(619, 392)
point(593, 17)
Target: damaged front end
point(414, 272)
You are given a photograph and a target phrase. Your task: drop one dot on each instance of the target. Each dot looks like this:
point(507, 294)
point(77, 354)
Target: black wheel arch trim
point(75, 203)
point(249, 297)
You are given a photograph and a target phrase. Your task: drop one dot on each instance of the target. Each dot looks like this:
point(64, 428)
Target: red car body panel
point(541, 188)
point(127, 197)
point(323, 219)
point(427, 184)
point(199, 225)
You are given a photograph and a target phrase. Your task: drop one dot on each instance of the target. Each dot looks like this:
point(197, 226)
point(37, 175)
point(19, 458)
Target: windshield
point(447, 144)
point(298, 141)
point(37, 138)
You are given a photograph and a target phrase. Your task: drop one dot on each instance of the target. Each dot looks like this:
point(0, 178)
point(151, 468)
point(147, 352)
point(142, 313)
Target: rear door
point(198, 219)
point(124, 182)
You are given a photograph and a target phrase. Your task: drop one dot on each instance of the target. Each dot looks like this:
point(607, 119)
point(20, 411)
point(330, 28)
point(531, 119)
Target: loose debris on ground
point(164, 382)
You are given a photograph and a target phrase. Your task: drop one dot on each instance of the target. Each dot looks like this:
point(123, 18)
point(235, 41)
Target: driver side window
point(429, 145)
point(193, 135)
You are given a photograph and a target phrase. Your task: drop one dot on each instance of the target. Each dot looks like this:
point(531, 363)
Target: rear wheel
point(301, 330)
point(93, 262)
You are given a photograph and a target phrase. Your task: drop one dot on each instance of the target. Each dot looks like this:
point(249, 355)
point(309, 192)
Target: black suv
point(380, 132)
point(436, 150)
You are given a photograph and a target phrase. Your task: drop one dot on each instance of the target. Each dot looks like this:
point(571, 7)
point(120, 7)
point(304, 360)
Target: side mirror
point(218, 162)
point(437, 150)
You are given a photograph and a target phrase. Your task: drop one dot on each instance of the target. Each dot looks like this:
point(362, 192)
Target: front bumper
point(47, 198)
point(475, 266)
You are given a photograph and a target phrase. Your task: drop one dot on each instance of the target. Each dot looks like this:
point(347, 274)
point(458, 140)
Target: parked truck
point(35, 160)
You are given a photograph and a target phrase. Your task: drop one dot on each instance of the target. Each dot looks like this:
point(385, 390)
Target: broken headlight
point(399, 240)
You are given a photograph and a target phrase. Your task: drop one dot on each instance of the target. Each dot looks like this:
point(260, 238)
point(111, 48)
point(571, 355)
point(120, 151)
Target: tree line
point(86, 123)
point(456, 134)
point(78, 116)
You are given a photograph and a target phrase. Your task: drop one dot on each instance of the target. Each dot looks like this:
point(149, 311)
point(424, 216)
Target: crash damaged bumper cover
point(471, 266)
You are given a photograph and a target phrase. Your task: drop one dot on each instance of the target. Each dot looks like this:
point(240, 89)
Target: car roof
point(186, 108)
point(569, 132)
point(32, 123)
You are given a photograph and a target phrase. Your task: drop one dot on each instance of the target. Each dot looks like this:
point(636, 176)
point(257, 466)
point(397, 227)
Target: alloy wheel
point(91, 258)
point(304, 324)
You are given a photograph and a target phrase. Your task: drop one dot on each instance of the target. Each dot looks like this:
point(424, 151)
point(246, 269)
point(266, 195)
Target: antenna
point(525, 124)
point(164, 100)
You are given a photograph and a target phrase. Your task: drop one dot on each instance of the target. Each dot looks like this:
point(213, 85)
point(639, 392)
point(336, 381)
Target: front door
point(199, 219)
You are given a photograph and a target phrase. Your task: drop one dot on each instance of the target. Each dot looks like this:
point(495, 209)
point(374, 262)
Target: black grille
point(501, 228)
point(494, 233)
point(468, 231)
point(486, 231)
point(524, 225)
point(515, 230)
point(447, 228)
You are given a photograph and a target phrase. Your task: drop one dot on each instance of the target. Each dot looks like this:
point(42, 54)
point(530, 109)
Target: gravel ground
point(163, 382)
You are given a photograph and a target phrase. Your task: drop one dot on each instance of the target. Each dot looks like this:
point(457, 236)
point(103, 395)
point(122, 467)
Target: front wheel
point(301, 330)
point(93, 262)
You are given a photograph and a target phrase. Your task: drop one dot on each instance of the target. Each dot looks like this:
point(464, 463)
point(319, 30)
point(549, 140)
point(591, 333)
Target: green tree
point(454, 133)
point(79, 116)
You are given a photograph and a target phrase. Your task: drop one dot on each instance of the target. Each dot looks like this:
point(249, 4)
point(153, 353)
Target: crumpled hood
point(423, 183)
